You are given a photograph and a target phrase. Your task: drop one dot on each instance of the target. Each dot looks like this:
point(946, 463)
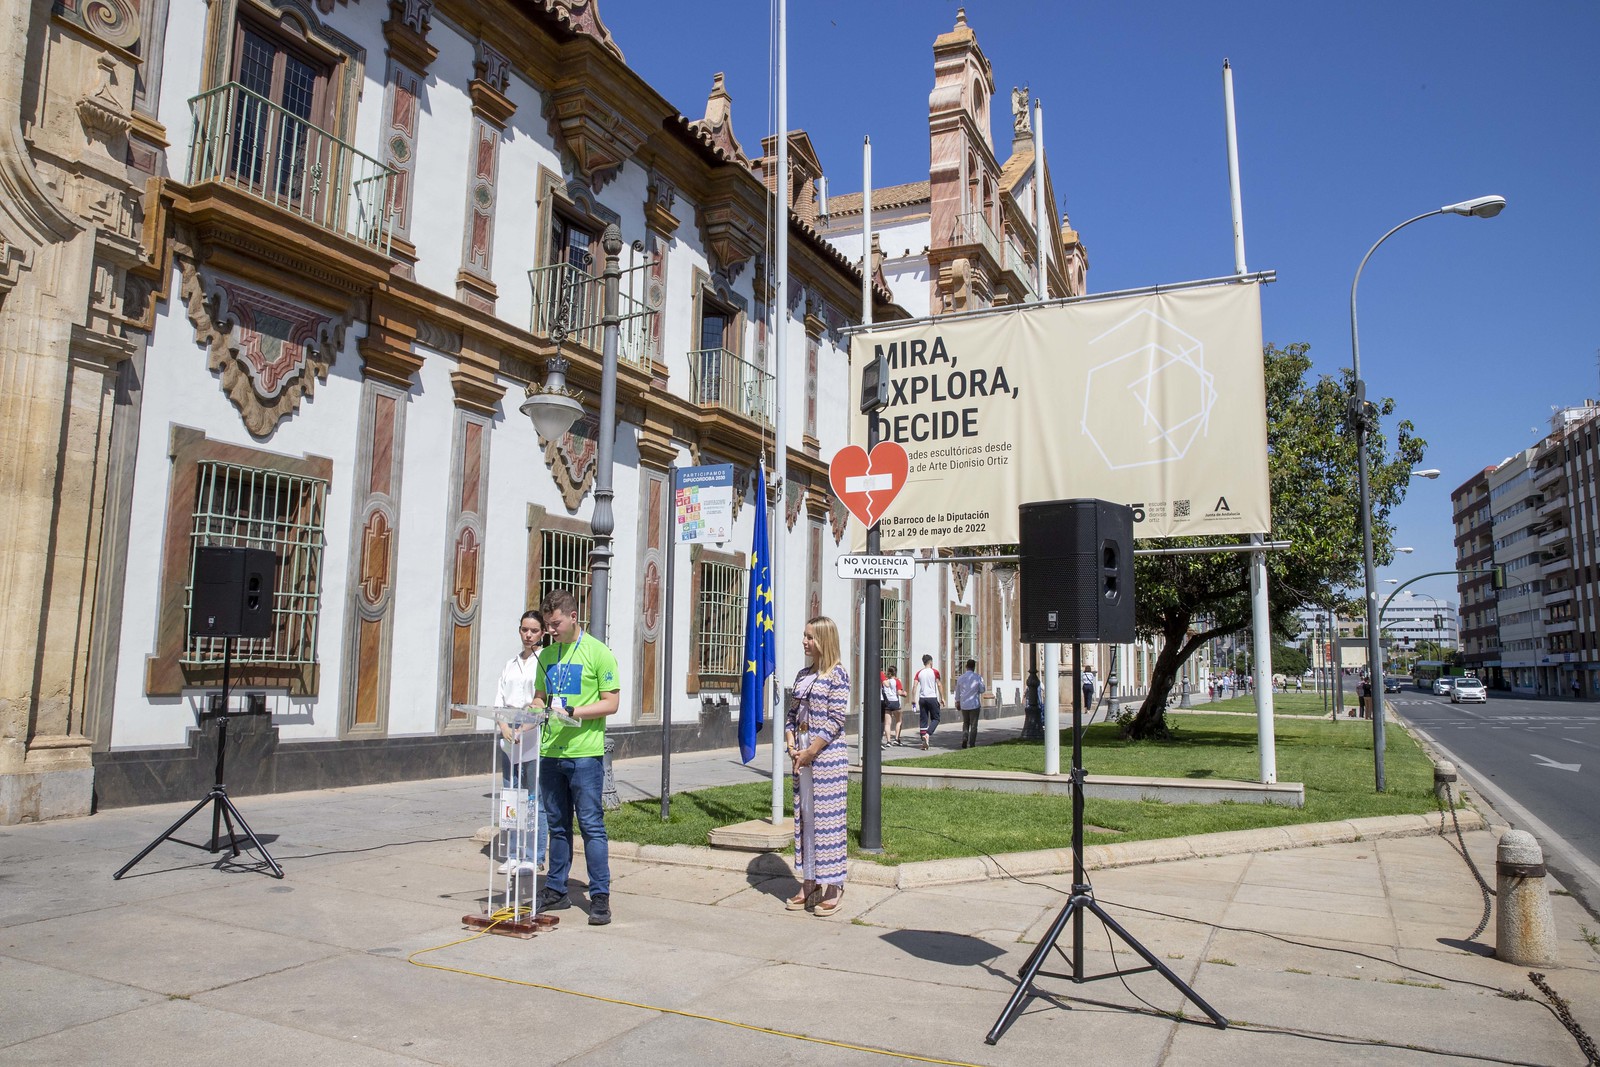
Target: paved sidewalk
point(189, 962)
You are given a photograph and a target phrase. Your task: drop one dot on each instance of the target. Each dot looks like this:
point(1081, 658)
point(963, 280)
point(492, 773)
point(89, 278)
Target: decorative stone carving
point(659, 197)
point(491, 67)
point(438, 337)
point(794, 499)
point(597, 135)
point(1020, 123)
point(838, 518)
point(583, 16)
point(572, 459)
point(102, 114)
point(376, 537)
point(269, 351)
point(115, 22)
point(406, 32)
point(961, 572)
point(717, 125)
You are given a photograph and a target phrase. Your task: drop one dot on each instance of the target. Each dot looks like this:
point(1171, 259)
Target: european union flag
point(760, 657)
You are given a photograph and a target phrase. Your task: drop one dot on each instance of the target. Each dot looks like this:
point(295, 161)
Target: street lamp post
point(1361, 416)
point(601, 521)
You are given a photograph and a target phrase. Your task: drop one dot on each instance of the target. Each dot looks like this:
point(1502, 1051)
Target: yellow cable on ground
point(506, 913)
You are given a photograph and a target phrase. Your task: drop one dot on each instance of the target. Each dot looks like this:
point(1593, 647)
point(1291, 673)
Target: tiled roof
point(891, 196)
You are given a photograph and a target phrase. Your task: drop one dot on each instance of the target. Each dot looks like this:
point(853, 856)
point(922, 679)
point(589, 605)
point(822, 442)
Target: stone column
point(68, 215)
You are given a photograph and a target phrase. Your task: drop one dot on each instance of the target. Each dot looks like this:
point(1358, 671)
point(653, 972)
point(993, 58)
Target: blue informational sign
point(702, 504)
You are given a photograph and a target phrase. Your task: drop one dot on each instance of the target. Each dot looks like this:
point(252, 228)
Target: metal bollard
point(1524, 931)
point(609, 799)
point(1444, 782)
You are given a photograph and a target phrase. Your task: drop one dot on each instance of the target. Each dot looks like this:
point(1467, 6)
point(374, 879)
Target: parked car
point(1392, 685)
point(1469, 691)
point(1441, 686)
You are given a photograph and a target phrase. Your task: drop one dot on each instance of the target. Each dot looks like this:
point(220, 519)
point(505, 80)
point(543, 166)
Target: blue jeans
point(574, 786)
point(928, 714)
point(525, 781)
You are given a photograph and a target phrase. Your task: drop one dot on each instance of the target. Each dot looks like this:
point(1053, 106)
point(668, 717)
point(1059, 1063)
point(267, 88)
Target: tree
point(1289, 661)
point(1188, 600)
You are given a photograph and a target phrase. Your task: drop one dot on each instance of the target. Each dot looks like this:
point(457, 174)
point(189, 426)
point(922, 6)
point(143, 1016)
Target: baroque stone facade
point(244, 312)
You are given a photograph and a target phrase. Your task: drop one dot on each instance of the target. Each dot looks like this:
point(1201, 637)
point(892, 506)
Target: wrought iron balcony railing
point(1017, 263)
point(242, 139)
point(725, 382)
point(972, 228)
point(564, 285)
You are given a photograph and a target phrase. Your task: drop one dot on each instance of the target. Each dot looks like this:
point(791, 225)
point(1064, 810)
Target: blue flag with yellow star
point(760, 655)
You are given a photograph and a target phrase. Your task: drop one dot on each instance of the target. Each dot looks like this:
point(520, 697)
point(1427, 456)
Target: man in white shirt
point(969, 698)
point(930, 695)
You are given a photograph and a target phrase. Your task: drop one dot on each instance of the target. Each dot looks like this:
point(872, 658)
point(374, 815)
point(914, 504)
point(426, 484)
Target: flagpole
point(872, 641)
point(780, 447)
point(1052, 652)
point(1260, 613)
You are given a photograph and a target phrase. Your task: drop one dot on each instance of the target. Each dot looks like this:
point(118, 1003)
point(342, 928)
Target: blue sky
point(1353, 117)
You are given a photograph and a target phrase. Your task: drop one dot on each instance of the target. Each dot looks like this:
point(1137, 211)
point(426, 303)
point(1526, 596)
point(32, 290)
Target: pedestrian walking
point(1087, 684)
point(1576, 687)
point(969, 698)
point(929, 687)
point(893, 694)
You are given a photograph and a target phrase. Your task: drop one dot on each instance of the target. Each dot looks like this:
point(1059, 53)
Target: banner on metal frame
point(1156, 401)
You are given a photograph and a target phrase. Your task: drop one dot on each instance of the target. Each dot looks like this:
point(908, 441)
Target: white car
point(1441, 686)
point(1469, 691)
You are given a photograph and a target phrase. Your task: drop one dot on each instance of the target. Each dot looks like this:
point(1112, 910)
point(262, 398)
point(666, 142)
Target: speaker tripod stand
point(1082, 900)
point(223, 811)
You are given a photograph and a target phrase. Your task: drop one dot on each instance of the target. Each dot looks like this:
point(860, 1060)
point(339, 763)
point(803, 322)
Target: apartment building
point(1474, 541)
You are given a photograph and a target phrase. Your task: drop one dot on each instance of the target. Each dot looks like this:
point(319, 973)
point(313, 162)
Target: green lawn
point(1333, 759)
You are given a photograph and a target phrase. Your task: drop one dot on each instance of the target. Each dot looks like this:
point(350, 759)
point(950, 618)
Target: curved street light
point(1483, 207)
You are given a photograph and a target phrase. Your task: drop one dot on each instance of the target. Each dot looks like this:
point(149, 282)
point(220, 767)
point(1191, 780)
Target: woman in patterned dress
point(813, 731)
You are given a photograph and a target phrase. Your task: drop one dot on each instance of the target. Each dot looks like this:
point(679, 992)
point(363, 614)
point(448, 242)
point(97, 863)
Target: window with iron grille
point(893, 627)
point(722, 608)
point(564, 564)
point(247, 507)
point(963, 640)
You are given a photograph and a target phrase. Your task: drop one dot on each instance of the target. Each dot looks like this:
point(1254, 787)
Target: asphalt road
point(1538, 764)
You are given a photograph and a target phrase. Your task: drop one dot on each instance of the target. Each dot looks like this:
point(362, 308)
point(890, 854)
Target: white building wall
point(180, 390)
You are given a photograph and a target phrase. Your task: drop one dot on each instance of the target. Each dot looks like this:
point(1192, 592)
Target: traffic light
point(1499, 572)
point(1438, 622)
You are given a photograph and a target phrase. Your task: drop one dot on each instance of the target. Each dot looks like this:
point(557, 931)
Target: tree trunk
point(1151, 721)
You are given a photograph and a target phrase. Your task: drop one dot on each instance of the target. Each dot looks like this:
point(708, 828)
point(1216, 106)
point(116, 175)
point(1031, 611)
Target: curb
point(1059, 861)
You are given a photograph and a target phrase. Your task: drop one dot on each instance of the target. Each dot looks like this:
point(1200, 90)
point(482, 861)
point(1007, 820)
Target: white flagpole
point(1044, 214)
point(781, 421)
point(864, 669)
point(1260, 623)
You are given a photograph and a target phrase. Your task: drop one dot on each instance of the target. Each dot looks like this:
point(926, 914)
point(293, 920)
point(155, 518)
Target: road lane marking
point(1548, 762)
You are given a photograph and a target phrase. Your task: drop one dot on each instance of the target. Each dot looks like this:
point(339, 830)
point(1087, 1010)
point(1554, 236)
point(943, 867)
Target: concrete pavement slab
point(56, 1000)
point(325, 915)
point(156, 950)
point(438, 1016)
point(1398, 1011)
point(182, 1034)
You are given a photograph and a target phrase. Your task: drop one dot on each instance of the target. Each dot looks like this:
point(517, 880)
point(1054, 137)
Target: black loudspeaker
point(1076, 573)
point(232, 592)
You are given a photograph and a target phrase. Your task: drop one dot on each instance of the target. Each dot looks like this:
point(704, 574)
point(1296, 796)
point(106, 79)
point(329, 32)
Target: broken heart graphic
point(865, 484)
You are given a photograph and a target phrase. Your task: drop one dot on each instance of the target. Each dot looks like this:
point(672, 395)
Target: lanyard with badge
point(563, 679)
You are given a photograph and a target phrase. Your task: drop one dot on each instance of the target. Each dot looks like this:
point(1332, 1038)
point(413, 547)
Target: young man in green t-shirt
point(577, 674)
